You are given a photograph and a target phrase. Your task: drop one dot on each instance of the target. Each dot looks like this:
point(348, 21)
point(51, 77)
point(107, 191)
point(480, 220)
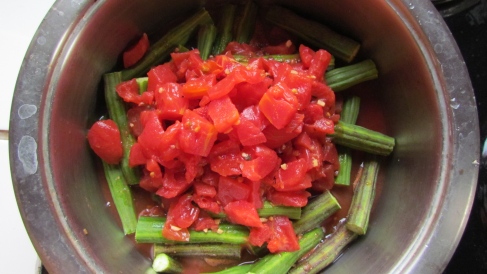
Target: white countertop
point(18, 22)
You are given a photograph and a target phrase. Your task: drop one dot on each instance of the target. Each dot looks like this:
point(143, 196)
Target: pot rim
point(430, 254)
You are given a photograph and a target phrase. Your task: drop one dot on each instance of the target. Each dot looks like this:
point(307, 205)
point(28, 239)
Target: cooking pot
point(423, 88)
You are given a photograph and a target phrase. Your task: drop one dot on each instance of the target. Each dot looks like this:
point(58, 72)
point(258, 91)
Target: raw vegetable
point(231, 251)
point(149, 231)
point(349, 115)
point(162, 263)
point(314, 33)
point(316, 212)
point(363, 198)
point(122, 197)
point(325, 253)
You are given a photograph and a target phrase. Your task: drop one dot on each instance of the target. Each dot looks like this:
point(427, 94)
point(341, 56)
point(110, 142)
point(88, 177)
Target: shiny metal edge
point(26, 155)
point(462, 126)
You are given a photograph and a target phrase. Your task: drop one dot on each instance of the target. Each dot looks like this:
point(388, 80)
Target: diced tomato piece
point(320, 128)
point(248, 94)
point(260, 235)
point(133, 116)
point(326, 177)
point(181, 215)
point(225, 158)
point(187, 64)
point(193, 165)
point(301, 85)
point(278, 105)
point(278, 232)
point(152, 179)
point(251, 76)
point(319, 64)
point(161, 75)
point(196, 88)
point(205, 222)
point(288, 198)
point(209, 177)
point(312, 113)
point(150, 137)
point(205, 190)
point(222, 88)
point(223, 113)
point(277, 70)
point(283, 236)
point(256, 193)
point(230, 190)
point(137, 156)
point(278, 137)
point(169, 143)
point(197, 135)
point(129, 92)
point(292, 174)
point(136, 51)
point(207, 203)
point(104, 139)
point(306, 54)
point(170, 101)
point(249, 134)
point(324, 93)
point(243, 213)
point(173, 184)
point(261, 161)
point(330, 154)
point(312, 152)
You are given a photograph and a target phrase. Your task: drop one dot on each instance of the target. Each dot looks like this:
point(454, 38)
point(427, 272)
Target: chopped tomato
point(225, 158)
point(160, 75)
point(259, 162)
point(279, 234)
point(205, 222)
point(283, 236)
point(243, 213)
point(150, 137)
point(197, 135)
point(223, 113)
point(255, 196)
point(181, 215)
point(133, 116)
point(173, 184)
point(129, 92)
point(230, 190)
point(205, 190)
point(153, 179)
point(137, 156)
point(104, 139)
point(135, 52)
point(170, 101)
point(288, 198)
point(196, 88)
point(278, 105)
point(319, 63)
point(292, 175)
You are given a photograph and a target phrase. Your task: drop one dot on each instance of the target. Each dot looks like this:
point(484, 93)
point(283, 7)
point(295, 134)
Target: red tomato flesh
point(104, 139)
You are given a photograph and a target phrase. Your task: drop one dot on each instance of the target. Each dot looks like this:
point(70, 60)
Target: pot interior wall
point(407, 94)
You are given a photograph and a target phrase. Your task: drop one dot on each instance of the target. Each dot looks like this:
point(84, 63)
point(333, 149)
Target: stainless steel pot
point(424, 89)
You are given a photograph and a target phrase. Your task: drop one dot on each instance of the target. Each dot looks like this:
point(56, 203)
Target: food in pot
point(240, 143)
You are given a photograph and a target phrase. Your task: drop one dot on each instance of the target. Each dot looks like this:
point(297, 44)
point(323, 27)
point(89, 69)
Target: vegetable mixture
point(236, 130)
